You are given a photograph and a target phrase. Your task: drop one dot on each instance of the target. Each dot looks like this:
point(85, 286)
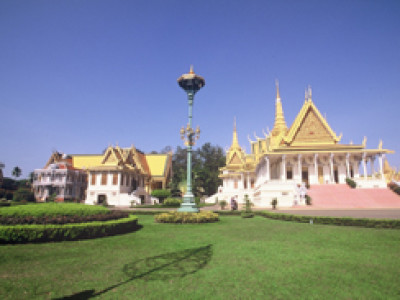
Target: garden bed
point(60, 222)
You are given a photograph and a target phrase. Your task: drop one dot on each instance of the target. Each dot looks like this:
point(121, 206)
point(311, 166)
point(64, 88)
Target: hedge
point(53, 209)
point(187, 217)
point(342, 221)
point(20, 220)
point(67, 232)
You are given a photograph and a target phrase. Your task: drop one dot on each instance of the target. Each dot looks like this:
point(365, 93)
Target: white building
point(308, 152)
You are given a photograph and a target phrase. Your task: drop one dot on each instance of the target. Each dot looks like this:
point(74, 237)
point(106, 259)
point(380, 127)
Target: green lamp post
point(191, 84)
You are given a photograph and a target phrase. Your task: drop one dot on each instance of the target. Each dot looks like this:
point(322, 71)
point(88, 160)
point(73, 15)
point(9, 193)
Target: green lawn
point(234, 259)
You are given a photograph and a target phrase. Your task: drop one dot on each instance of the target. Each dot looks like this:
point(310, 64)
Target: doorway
point(320, 175)
point(101, 199)
point(304, 176)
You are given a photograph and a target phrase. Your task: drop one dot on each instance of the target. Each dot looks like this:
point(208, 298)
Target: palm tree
point(16, 172)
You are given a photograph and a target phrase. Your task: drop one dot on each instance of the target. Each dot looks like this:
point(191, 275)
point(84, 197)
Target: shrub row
point(19, 220)
point(186, 217)
point(344, 221)
point(53, 209)
point(47, 233)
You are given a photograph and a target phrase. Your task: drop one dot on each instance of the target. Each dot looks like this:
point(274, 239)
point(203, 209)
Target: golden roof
point(159, 164)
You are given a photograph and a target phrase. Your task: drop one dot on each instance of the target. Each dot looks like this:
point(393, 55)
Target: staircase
point(342, 196)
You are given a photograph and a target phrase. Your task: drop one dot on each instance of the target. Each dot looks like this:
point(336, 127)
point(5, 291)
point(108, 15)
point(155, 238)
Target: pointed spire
point(235, 142)
point(191, 70)
point(280, 123)
point(309, 93)
point(306, 96)
point(278, 97)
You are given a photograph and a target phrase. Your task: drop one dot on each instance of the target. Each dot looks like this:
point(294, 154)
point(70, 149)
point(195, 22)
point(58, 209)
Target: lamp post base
point(188, 204)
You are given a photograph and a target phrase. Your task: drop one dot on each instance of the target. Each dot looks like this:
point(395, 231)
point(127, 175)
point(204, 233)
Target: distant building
point(120, 176)
point(59, 178)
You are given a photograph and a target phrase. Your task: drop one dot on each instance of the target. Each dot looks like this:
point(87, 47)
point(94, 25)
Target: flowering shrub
point(172, 202)
point(186, 217)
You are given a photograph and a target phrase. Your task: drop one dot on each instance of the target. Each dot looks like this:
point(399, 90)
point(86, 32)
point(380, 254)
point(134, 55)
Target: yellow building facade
point(307, 152)
point(119, 176)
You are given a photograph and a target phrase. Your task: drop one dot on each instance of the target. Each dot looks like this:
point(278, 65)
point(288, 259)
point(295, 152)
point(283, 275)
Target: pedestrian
point(303, 193)
point(232, 203)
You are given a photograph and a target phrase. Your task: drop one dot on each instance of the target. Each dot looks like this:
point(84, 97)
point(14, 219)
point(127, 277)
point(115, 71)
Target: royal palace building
point(308, 152)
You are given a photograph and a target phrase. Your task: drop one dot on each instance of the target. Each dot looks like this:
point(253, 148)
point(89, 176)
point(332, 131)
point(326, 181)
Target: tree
point(16, 172)
point(206, 162)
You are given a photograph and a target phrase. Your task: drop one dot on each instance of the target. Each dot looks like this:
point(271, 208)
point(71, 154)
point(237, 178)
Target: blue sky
point(76, 76)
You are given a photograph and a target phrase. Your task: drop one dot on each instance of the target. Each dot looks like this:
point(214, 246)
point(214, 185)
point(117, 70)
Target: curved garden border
point(66, 232)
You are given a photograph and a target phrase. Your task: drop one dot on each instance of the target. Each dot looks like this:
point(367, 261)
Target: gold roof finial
point(235, 142)
point(280, 123)
point(309, 93)
point(191, 70)
point(306, 95)
point(277, 89)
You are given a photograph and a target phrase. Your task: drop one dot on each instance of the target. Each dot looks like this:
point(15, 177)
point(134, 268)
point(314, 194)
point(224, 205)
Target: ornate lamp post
point(191, 84)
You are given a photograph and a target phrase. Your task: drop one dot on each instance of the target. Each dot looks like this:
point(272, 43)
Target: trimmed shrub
point(223, 204)
point(344, 221)
point(274, 203)
point(308, 200)
point(53, 209)
point(161, 194)
point(245, 214)
point(46, 233)
point(19, 220)
point(350, 182)
point(228, 212)
point(248, 204)
point(172, 202)
point(184, 217)
point(394, 187)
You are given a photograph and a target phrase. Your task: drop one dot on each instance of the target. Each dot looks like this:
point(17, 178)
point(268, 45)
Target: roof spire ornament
point(305, 95)
point(235, 142)
point(278, 97)
point(280, 123)
point(191, 70)
point(309, 93)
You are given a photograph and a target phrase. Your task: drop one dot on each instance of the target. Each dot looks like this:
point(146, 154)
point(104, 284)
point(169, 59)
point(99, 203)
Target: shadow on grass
point(162, 267)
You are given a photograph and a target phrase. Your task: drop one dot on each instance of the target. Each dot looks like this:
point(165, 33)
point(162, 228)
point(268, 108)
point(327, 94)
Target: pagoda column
point(241, 183)
point(299, 167)
point(364, 160)
point(372, 162)
point(283, 168)
point(348, 165)
point(316, 167)
point(248, 181)
point(267, 162)
point(381, 164)
point(331, 164)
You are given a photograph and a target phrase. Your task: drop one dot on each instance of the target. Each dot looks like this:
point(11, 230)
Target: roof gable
point(310, 127)
point(235, 160)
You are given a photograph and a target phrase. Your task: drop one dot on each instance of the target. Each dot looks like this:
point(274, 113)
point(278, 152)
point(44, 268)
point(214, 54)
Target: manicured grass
point(53, 209)
point(235, 258)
